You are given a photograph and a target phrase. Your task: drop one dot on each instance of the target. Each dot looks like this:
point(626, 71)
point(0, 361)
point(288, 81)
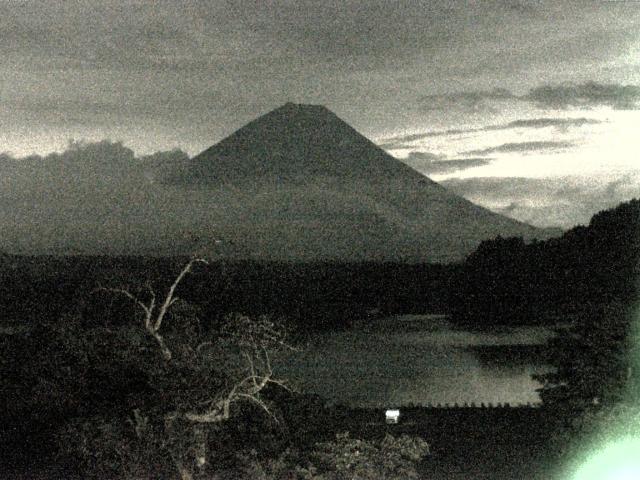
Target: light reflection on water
point(418, 360)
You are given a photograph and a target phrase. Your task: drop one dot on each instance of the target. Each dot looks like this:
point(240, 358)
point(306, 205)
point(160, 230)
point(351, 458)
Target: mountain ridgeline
point(302, 185)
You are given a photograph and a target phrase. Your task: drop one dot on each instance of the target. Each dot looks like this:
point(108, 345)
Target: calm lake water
point(420, 360)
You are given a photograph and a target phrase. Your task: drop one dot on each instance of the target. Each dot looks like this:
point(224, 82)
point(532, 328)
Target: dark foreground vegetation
point(156, 368)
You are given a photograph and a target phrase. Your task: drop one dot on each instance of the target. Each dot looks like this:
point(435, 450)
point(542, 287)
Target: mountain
point(298, 183)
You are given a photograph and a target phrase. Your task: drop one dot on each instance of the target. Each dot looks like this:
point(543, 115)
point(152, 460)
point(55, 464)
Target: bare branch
point(238, 386)
point(281, 383)
point(252, 367)
point(260, 403)
point(263, 383)
point(208, 417)
point(166, 353)
point(153, 325)
point(152, 306)
point(267, 361)
point(169, 298)
point(220, 412)
point(203, 344)
point(128, 294)
point(148, 310)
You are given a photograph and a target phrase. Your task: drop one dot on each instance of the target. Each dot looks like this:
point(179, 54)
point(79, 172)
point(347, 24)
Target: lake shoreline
point(421, 360)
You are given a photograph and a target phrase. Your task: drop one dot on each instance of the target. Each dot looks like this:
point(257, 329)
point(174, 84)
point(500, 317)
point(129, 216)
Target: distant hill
point(298, 183)
point(508, 281)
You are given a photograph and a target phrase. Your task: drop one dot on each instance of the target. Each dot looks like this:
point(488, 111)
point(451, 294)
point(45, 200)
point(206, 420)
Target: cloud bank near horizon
point(98, 196)
point(90, 181)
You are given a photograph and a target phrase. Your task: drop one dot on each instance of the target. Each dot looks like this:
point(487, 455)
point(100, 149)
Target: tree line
point(504, 281)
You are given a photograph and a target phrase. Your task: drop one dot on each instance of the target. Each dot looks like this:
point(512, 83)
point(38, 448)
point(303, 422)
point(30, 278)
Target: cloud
point(585, 95)
point(94, 163)
point(465, 100)
point(429, 163)
point(161, 166)
point(548, 96)
point(166, 35)
point(342, 33)
point(402, 141)
point(546, 122)
point(522, 147)
point(426, 157)
point(547, 202)
point(101, 192)
point(208, 66)
point(393, 146)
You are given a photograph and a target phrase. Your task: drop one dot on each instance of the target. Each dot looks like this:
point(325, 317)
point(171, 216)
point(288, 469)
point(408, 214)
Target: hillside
point(508, 281)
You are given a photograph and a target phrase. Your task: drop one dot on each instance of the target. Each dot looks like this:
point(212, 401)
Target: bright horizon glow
point(619, 460)
point(619, 457)
point(608, 149)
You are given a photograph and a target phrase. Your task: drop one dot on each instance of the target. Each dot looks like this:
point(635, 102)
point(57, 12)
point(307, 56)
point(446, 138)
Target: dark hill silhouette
point(507, 281)
point(307, 186)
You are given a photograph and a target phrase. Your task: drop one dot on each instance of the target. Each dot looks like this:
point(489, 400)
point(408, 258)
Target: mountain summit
point(298, 183)
point(292, 142)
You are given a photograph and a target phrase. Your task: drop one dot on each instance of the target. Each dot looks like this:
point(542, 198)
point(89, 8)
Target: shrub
point(345, 458)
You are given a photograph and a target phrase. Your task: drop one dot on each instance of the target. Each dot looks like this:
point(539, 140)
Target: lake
point(420, 359)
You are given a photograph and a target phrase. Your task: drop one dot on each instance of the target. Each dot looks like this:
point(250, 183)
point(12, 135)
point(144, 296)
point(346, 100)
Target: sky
point(529, 108)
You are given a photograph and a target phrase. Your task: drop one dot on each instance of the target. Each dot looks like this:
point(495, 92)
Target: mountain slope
point(307, 186)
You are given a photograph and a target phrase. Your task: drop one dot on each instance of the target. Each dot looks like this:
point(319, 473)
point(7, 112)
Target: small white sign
point(392, 416)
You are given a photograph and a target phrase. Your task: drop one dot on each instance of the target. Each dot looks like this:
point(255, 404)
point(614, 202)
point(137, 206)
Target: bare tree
point(155, 313)
point(253, 340)
point(242, 353)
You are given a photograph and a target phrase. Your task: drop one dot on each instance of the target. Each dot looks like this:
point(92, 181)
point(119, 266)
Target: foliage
point(391, 458)
point(592, 359)
point(47, 369)
point(593, 391)
point(345, 458)
point(175, 377)
point(113, 447)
